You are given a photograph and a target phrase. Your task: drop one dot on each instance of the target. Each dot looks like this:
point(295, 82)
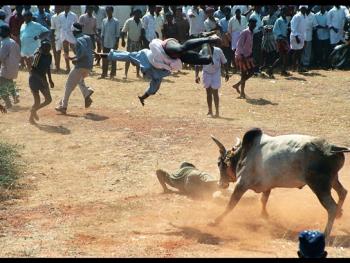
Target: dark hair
point(5, 30)
point(78, 26)
point(110, 7)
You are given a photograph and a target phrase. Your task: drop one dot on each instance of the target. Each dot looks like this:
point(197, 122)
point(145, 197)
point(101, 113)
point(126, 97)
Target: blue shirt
point(27, 34)
point(83, 47)
point(41, 18)
point(219, 14)
point(224, 24)
point(322, 33)
point(280, 28)
point(140, 58)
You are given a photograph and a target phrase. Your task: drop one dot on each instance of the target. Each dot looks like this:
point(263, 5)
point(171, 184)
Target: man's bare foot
point(236, 87)
point(142, 101)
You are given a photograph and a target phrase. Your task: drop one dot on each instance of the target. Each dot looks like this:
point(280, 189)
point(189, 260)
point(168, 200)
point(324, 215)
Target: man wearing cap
point(244, 56)
point(83, 64)
point(312, 245)
point(30, 34)
point(9, 58)
point(297, 36)
point(66, 19)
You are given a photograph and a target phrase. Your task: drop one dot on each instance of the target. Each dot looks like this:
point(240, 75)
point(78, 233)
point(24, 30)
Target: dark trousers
point(105, 64)
point(257, 39)
point(322, 52)
point(228, 55)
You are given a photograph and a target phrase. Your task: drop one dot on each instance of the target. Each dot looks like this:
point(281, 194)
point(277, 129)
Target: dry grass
point(91, 187)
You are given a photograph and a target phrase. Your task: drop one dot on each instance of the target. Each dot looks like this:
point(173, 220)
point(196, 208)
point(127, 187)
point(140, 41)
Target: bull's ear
point(220, 145)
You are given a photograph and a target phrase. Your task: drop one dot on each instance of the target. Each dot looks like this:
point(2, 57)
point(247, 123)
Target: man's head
point(210, 11)
point(90, 9)
point(41, 9)
point(257, 8)
point(311, 245)
point(322, 9)
point(4, 31)
point(252, 24)
point(158, 9)
point(152, 9)
point(28, 16)
point(337, 6)
point(45, 46)
point(137, 14)
point(169, 17)
point(238, 12)
point(271, 10)
point(227, 11)
point(2, 14)
point(77, 29)
point(109, 11)
point(19, 9)
point(303, 9)
point(58, 9)
point(178, 12)
point(66, 8)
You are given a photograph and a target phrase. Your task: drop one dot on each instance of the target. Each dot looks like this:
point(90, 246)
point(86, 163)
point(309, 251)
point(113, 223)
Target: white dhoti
point(234, 39)
point(293, 43)
point(212, 80)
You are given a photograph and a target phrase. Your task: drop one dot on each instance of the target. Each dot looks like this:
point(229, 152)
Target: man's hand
point(227, 77)
point(297, 39)
point(198, 79)
point(52, 85)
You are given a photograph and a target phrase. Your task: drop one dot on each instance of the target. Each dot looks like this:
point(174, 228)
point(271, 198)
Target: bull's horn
point(238, 142)
point(219, 144)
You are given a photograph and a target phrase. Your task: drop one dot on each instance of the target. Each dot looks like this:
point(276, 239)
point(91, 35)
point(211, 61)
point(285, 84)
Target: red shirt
point(15, 24)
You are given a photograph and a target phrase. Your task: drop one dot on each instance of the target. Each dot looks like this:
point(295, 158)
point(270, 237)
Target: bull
point(262, 162)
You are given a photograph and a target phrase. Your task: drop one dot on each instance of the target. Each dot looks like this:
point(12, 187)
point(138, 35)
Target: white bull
point(262, 162)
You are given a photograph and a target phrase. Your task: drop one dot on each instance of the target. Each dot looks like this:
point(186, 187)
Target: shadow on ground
point(53, 129)
point(260, 102)
point(95, 117)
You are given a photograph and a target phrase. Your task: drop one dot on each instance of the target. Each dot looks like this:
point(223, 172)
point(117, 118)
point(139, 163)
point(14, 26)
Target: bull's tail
point(338, 149)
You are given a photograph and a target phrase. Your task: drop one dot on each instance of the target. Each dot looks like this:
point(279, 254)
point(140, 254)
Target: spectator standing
point(280, 31)
point(170, 29)
point(196, 18)
point(323, 44)
point(225, 35)
point(8, 12)
point(88, 21)
point(182, 25)
point(159, 21)
point(133, 29)
point(15, 23)
point(336, 20)
point(42, 17)
point(9, 59)
point(55, 34)
point(149, 26)
point(110, 33)
point(100, 14)
point(66, 19)
point(309, 25)
point(30, 34)
point(220, 14)
point(235, 26)
point(2, 17)
point(297, 36)
point(211, 23)
point(258, 34)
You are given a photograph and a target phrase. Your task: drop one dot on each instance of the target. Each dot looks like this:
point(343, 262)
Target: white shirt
point(235, 26)
point(218, 60)
point(336, 18)
point(196, 22)
point(159, 25)
point(310, 22)
point(65, 24)
point(298, 26)
point(149, 24)
point(243, 8)
point(55, 25)
point(210, 25)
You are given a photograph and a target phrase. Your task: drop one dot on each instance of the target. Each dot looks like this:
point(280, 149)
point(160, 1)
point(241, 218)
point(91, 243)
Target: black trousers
point(322, 52)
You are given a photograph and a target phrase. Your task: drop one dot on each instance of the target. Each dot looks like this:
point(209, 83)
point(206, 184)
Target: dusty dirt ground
point(89, 188)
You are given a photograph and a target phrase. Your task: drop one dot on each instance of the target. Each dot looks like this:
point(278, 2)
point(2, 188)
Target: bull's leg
point(342, 192)
point(264, 198)
point(163, 180)
point(240, 189)
point(330, 205)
